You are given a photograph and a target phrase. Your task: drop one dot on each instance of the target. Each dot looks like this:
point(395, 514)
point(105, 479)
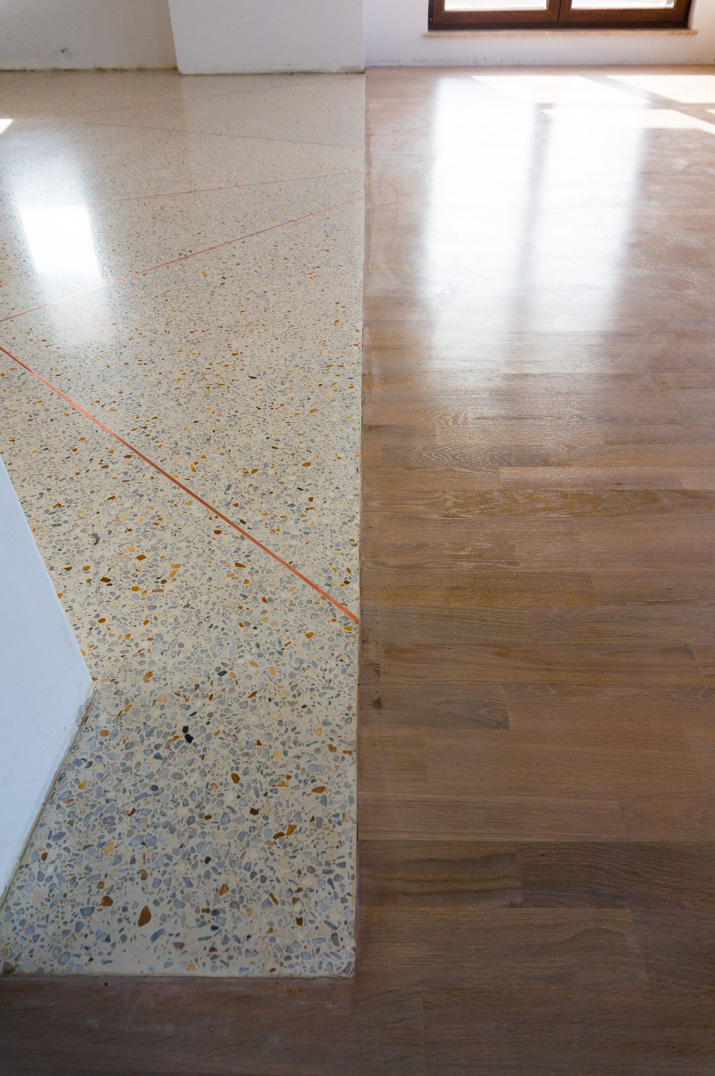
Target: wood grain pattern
point(539, 536)
point(537, 697)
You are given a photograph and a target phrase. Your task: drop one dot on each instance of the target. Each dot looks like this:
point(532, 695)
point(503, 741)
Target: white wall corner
point(44, 683)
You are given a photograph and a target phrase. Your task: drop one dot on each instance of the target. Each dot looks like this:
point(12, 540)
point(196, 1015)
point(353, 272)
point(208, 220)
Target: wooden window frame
point(560, 15)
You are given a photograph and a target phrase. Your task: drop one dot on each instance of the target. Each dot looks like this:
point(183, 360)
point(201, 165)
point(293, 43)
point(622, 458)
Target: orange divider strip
point(206, 504)
point(208, 134)
point(210, 190)
point(181, 258)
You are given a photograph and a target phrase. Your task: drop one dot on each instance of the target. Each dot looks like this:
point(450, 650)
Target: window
point(558, 14)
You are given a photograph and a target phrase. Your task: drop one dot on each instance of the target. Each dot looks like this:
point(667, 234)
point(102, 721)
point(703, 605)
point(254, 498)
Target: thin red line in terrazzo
point(211, 134)
point(226, 187)
point(210, 190)
point(181, 258)
point(206, 504)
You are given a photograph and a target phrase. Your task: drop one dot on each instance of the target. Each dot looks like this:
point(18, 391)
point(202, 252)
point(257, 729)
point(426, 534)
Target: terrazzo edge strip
point(206, 504)
point(175, 261)
point(210, 134)
point(211, 190)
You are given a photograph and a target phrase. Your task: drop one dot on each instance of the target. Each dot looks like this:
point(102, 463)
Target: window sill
point(550, 31)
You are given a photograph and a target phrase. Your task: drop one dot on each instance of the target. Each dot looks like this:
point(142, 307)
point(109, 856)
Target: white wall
point(396, 35)
point(36, 34)
point(217, 36)
point(44, 683)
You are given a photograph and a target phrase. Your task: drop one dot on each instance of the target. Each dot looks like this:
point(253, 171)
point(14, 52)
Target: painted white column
point(241, 36)
point(44, 683)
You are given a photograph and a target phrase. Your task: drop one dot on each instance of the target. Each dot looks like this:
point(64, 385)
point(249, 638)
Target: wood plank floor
point(537, 740)
point(537, 779)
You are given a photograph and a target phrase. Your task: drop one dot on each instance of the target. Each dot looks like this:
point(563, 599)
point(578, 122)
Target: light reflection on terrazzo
point(204, 820)
point(242, 407)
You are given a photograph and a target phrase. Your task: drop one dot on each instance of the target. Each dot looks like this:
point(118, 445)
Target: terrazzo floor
point(180, 314)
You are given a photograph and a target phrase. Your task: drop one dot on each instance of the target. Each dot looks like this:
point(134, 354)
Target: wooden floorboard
point(537, 695)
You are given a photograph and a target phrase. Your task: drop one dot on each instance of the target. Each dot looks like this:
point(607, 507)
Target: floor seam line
point(175, 261)
point(215, 134)
point(205, 190)
point(186, 489)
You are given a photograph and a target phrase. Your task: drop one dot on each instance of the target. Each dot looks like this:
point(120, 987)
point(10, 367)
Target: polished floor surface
point(537, 747)
point(537, 718)
point(182, 263)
